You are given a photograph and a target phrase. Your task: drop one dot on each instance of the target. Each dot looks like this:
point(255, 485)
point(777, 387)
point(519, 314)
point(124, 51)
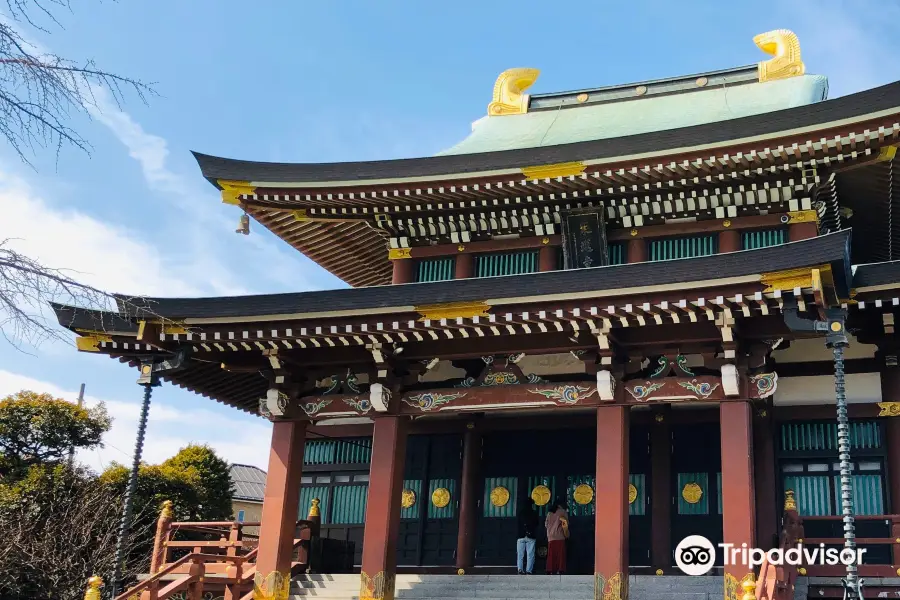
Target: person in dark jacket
point(527, 537)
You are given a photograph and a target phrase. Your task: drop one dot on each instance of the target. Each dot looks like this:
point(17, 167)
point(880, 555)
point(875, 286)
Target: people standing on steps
point(526, 537)
point(557, 525)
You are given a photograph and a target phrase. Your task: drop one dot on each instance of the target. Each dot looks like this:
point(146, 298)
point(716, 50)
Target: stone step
point(507, 587)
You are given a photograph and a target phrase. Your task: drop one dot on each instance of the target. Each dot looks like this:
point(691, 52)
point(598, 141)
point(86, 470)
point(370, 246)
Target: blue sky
point(323, 81)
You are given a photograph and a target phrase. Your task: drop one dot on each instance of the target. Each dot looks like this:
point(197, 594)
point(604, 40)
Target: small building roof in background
point(249, 482)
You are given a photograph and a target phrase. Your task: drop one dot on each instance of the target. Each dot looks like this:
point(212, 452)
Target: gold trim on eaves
point(452, 310)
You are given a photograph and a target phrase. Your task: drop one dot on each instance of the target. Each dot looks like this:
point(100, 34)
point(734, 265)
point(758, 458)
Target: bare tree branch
point(40, 92)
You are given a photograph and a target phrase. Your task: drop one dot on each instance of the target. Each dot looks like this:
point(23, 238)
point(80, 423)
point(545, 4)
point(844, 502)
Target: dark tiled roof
point(828, 249)
point(877, 274)
point(882, 98)
point(249, 482)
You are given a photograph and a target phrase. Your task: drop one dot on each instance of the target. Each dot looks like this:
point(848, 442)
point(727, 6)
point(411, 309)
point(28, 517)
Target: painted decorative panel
point(307, 493)
point(762, 238)
point(683, 247)
point(617, 253)
point(639, 506)
point(415, 486)
point(813, 494)
point(688, 501)
point(507, 263)
point(349, 505)
point(435, 269)
point(868, 494)
point(802, 437)
point(445, 512)
point(576, 509)
point(507, 510)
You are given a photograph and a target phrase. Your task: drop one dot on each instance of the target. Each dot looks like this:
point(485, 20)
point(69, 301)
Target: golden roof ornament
point(314, 508)
point(784, 46)
point(632, 493)
point(408, 498)
point(509, 96)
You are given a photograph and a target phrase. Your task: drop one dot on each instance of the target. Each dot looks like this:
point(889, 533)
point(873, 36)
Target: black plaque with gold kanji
point(584, 239)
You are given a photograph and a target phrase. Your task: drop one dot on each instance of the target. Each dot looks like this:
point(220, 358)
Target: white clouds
point(240, 438)
point(100, 254)
point(198, 201)
point(847, 41)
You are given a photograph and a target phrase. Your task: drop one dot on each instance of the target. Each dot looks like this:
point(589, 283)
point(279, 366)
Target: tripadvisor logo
point(696, 555)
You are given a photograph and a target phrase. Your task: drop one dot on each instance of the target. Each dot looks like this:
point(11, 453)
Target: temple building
point(584, 299)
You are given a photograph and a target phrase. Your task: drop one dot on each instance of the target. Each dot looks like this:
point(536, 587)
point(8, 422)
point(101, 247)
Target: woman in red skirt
point(557, 525)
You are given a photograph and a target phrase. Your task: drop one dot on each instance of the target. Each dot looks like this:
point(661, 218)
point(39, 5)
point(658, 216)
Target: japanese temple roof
point(884, 274)
point(617, 112)
point(223, 330)
point(796, 121)
point(832, 249)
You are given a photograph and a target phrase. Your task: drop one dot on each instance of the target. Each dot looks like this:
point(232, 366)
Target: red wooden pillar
point(729, 241)
point(611, 504)
point(379, 555)
point(738, 510)
point(661, 491)
point(767, 504)
point(465, 266)
point(548, 258)
point(637, 250)
point(890, 392)
point(404, 270)
point(280, 506)
point(468, 499)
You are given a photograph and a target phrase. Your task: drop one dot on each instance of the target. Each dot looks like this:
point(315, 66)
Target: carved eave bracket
point(509, 97)
point(784, 46)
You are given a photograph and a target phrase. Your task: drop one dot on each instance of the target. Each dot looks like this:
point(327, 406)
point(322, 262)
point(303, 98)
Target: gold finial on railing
point(93, 588)
point(749, 585)
point(167, 511)
point(789, 502)
point(314, 508)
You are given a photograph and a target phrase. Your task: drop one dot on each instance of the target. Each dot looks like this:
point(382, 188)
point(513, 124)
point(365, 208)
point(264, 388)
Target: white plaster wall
point(861, 387)
point(811, 350)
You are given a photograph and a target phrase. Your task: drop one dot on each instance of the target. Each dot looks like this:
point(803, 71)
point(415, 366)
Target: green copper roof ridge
point(619, 86)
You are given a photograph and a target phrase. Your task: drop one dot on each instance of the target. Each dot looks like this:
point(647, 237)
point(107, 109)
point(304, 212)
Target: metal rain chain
point(834, 327)
point(149, 378)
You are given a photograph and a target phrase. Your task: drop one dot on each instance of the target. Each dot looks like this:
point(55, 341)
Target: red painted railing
point(226, 564)
point(887, 570)
point(776, 582)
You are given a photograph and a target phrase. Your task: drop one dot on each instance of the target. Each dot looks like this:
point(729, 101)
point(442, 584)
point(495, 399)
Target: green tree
point(196, 480)
point(38, 429)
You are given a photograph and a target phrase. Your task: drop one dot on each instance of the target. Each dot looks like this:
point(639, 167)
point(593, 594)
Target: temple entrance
point(697, 483)
point(563, 461)
point(429, 517)
point(520, 461)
